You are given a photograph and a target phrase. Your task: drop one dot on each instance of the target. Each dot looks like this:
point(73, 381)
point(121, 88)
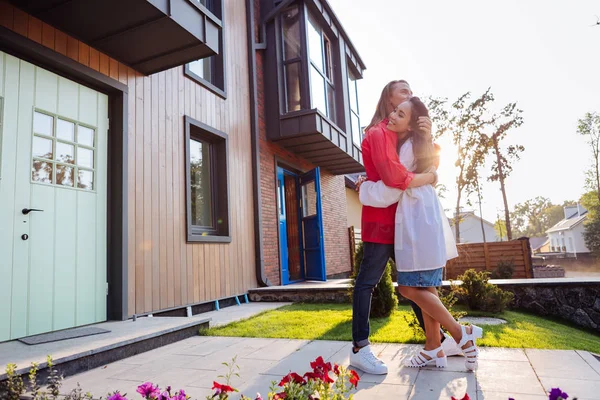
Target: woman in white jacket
point(423, 240)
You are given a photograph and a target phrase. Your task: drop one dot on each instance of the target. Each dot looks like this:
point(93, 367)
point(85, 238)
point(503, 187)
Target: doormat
point(62, 335)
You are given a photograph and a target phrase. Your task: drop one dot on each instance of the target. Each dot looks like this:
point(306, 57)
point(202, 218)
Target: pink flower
point(117, 396)
point(148, 391)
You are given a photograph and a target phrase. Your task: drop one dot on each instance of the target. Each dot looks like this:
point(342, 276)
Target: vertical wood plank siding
point(164, 270)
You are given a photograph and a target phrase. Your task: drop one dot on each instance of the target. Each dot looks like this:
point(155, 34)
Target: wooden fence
point(487, 256)
point(477, 256)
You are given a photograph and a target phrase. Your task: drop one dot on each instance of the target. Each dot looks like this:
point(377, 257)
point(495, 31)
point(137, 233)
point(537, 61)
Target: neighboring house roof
point(465, 214)
point(538, 242)
point(350, 180)
point(568, 223)
point(574, 215)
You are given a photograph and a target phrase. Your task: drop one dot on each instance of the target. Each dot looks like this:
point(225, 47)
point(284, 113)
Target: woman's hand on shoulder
point(424, 125)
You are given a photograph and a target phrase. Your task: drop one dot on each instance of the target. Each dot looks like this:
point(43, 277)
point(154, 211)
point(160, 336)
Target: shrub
point(479, 294)
point(384, 300)
point(504, 270)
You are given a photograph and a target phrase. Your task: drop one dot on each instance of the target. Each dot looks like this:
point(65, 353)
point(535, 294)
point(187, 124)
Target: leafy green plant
point(479, 294)
point(384, 300)
point(13, 387)
point(504, 270)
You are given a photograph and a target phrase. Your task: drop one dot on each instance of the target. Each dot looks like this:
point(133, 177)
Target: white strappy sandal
point(419, 361)
point(472, 352)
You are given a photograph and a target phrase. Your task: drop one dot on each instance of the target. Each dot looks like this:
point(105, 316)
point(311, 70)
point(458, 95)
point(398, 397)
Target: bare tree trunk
point(597, 174)
point(457, 217)
point(503, 189)
point(480, 212)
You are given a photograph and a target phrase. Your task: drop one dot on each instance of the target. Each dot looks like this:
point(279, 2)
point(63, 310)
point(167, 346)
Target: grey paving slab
point(502, 354)
point(582, 389)
point(561, 364)
point(509, 377)
point(443, 385)
point(368, 391)
point(505, 396)
point(280, 349)
point(590, 359)
point(300, 361)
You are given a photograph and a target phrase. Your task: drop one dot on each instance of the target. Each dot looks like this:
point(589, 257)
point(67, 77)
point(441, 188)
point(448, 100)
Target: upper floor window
point(354, 114)
point(292, 58)
point(322, 89)
point(210, 72)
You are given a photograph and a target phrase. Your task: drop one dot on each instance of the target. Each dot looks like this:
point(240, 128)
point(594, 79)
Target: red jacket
point(381, 161)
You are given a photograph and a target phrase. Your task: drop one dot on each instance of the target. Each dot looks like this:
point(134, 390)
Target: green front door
point(53, 171)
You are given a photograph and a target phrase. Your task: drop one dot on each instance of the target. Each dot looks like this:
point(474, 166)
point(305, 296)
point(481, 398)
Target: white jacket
point(423, 238)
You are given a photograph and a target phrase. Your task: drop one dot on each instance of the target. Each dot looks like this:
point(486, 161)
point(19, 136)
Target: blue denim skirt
point(428, 278)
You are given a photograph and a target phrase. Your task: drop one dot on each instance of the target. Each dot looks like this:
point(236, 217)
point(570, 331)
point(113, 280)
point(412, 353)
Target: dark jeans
point(375, 258)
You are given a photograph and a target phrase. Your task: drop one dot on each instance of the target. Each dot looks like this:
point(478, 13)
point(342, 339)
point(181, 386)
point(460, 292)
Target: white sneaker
point(450, 347)
point(367, 361)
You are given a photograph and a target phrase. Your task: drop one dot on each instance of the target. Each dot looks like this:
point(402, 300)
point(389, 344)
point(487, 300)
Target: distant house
point(353, 206)
point(470, 228)
point(539, 244)
point(566, 237)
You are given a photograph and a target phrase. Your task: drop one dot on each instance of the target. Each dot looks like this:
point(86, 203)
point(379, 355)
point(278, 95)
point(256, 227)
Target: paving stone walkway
point(194, 363)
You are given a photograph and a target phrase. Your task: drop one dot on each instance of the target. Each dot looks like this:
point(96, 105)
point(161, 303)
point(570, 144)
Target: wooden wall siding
point(164, 270)
point(486, 256)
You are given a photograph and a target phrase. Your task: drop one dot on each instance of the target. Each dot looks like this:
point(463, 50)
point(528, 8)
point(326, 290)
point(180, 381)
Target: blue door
point(283, 248)
point(312, 225)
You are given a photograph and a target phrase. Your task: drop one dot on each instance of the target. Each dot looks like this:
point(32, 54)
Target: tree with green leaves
point(465, 120)
point(509, 118)
point(589, 126)
point(535, 216)
point(500, 228)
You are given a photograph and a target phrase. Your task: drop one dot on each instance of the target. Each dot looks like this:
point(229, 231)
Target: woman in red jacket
point(380, 157)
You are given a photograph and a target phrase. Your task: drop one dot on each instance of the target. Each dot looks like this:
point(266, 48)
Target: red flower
point(319, 366)
point(336, 369)
point(315, 376)
point(292, 377)
point(223, 388)
point(354, 378)
point(464, 398)
point(279, 396)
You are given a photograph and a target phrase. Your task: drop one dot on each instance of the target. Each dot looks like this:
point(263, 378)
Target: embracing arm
point(376, 194)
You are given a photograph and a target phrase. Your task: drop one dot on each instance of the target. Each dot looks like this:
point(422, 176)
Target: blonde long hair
point(384, 107)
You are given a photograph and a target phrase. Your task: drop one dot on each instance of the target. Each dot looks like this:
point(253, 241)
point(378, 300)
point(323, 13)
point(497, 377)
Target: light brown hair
point(384, 107)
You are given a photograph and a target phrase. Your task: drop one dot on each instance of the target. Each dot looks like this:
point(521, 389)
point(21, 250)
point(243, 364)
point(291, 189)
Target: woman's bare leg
point(431, 305)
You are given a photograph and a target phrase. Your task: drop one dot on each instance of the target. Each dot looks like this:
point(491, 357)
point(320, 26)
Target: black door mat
point(62, 335)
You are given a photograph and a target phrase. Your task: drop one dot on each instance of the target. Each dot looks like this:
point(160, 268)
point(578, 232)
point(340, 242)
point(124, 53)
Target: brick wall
point(332, 192)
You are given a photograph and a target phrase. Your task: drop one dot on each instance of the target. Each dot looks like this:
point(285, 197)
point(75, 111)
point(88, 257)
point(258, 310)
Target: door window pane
point(85, 180)
point(85, 157)
point(85, 136)
point(65, 175)
point(201, 192)
point(41, 171)
point(309, 199)
point(291, 34)
point(317, 87)
point(42, 147)
point(43, 124)
point(315, 45)
point(65, 130)
point(65, 152)
point(292, 79)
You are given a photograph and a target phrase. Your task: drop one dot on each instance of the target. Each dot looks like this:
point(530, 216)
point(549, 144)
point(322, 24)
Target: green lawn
point(333, 322)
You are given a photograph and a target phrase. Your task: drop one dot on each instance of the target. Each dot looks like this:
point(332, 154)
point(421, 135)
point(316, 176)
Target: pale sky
point(543, 54)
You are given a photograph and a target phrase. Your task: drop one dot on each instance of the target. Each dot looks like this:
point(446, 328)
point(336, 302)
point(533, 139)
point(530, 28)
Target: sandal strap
point(419, 359)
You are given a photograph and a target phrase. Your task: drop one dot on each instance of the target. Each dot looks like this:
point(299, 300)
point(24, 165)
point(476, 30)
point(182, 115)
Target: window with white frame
point(354, 114)
point(320, 52)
